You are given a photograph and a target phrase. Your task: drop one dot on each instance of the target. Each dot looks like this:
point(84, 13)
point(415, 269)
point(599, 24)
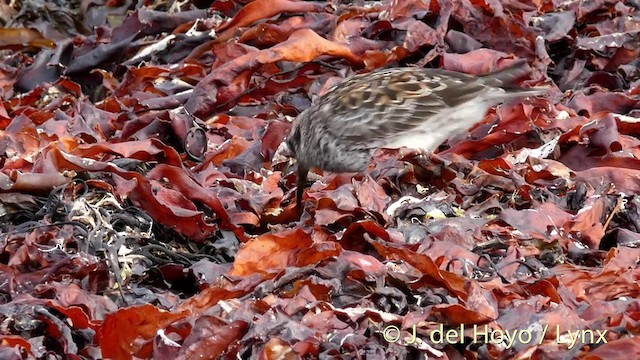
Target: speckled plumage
point(413, 107)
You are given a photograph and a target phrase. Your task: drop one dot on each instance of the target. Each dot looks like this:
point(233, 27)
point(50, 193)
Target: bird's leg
point(301, 181)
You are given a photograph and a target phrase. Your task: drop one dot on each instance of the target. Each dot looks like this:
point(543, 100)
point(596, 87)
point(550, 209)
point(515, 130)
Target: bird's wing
point(369, 108)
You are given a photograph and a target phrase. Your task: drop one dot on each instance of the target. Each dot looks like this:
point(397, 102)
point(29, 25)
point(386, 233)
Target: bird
point(390, 108)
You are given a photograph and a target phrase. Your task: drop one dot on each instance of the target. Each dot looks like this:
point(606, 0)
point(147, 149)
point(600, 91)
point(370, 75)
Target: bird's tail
point(507, 77)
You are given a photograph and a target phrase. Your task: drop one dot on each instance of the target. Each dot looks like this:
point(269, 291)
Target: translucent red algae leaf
point(31, 182)
point(625, 180)
point(209, 297)
point(15, 340)
point(589, 222)
point(275, 252)
point(277, 348)
point(174, 200)
point(21, 136)
point(219, 338)
point(556, 25)
point(270, 34)
point(624, 348)
point(228, 150)
point(351, 28)
point(302, 46)
point(537, 222)
point(613, 281)
point(144, 150)
point(408, 8)
point(181, 180)
point(372, 196)
point(475, 62)
point(537, 311)
point(418, 35)
point(84, 308)
point(252, 13)
point(481, 300)
point(521, 117)
point(140, 190)
point(620, 260)
point(265, 9)
point(22, 38)
point(341, 198)
point(139, 78)
point(547, 288)
point(119, 330)
point(368, 264)
point(76, 315)
point(245, 218)
point(423, 263)
point(273, 136)
point(582, 158)
point(615, 102)
point(457, 314)
point(510, 123)
point(248, 128)
point(602, 132)
point(101, 53)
